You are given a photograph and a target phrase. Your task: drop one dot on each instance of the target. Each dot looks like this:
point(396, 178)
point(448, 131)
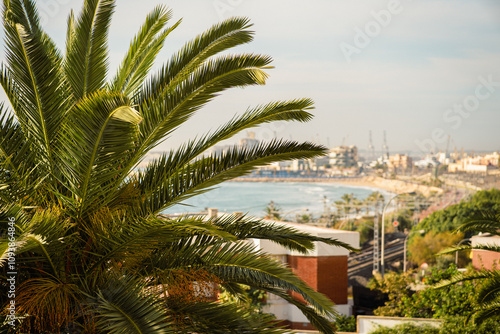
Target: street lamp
point(382, 251)
point(404, 247)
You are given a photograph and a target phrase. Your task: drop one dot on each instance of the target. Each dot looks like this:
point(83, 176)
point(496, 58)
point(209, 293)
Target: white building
point(324, 269)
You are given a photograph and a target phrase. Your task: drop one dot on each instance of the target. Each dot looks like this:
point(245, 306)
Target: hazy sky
point(421, 70)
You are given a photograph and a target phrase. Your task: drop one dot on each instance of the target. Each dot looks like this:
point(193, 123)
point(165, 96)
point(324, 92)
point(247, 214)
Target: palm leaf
point(282, 234)
point(208, 172)
point(143, 51)
point(218, 38)
point(217, 318)
point(138, 239)
point(170, 110)
point(98, 134)
point(236, 263)
point(34, 64)
point(122, 306)
point(86, 62)
point(322, 322)
point(485, 222)
point(486, 312)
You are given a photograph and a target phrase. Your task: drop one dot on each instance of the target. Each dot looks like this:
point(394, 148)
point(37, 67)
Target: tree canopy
point(451, 218)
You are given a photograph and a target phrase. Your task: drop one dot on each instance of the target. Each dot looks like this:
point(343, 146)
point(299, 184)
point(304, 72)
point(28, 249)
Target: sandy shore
point(395, 186)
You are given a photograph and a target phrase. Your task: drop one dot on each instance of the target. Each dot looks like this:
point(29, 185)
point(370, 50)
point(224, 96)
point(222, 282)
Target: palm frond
point(237, 263)
point(143, 51)
point(485, 222)
point(217, 318)
point(98, 134)
point(451, 250)
point(489, 291)
point(49, 302)
point(485, 247)
point(490, 311)
point(123, 306)
point(16, 159)
point(241, 263)
point(294, 110)
point(34, 64)
point(282, 234)
point(202, 175)
point(220, 37)
point(86, 62)
point(463, 277)
point(178, 103)
point(322, 321)
point(137, 239)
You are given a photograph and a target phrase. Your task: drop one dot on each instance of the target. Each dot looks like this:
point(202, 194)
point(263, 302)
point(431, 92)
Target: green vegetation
point(345, 324)
point(441, 226)
point(407, 329)
point(488, 293)
point(273, 211)
point(451, 218)
point(447, 293)
point(455, 303)
point(452, 325)
point(425, 248)
point(403, 301)
point(92, 252)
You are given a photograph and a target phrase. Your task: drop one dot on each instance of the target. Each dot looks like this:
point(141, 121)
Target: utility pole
point(371, 148)
point(376, 240)
point(271, 210)
point(385, 147)
point(326, 211)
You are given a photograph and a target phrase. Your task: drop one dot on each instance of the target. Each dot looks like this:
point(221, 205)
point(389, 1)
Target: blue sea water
point(253, 197)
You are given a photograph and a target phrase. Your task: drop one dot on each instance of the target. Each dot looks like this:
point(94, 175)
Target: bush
point(459, 325)
point(407, 329)
point(453, 325)
point(456, 300)
point(345, 324)
point(424, 248)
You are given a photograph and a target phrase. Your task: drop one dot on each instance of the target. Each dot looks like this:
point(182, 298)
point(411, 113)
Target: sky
point(419, 70)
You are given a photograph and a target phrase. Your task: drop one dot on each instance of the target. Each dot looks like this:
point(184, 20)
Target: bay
point(290, 197)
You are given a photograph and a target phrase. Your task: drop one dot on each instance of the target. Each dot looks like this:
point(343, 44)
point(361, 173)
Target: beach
point(394, 186)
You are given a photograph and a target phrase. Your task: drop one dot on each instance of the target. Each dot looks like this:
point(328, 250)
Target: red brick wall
point(485, 259)
point(326, 274)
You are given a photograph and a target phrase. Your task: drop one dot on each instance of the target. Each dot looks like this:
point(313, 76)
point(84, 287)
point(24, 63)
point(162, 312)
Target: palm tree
point(92, 252)
point(375, 199)
point(345, 206)
point(488, 297)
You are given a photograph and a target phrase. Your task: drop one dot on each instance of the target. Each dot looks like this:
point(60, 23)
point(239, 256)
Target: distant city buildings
point(343, 157)
point(478, 164)
point(345, 160)
point(249, 141)
point(427, 162)
point(400, 161)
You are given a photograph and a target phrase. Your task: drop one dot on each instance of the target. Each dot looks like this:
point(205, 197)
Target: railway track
point(361, 262)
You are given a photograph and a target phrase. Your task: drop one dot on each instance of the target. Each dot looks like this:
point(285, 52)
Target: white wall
point(320, 249)
point(367, 324)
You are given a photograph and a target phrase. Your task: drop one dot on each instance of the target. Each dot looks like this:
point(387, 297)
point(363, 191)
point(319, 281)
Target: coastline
point(394, 186)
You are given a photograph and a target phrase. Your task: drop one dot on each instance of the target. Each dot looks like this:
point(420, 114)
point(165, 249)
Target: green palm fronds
point(488, 297)
point(92, 251)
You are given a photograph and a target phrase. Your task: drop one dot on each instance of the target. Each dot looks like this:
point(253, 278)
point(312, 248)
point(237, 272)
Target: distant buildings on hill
point(345, 161)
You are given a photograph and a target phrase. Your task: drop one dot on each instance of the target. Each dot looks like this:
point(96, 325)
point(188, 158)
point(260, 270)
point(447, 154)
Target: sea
point(289, 198)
